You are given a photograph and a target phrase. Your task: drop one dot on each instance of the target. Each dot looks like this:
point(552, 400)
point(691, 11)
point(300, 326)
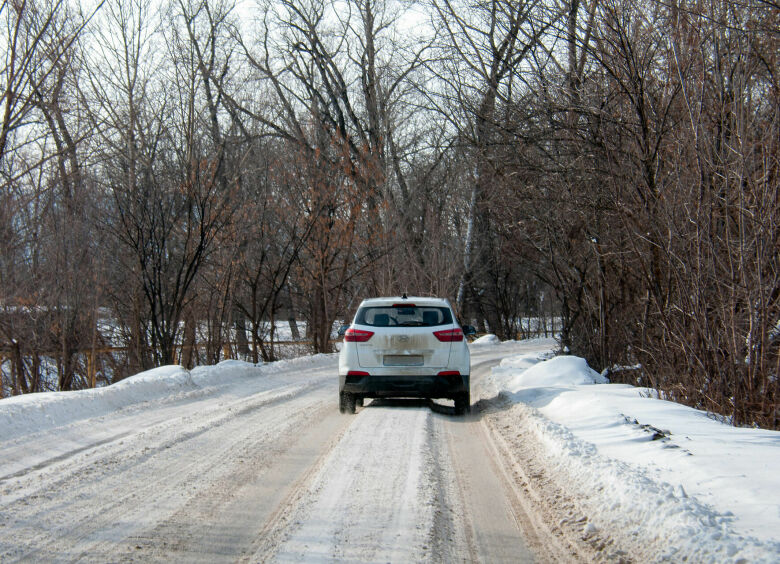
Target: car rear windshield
point(404, 316)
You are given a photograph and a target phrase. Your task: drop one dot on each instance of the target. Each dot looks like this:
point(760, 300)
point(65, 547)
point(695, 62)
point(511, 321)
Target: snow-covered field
point(238, 462)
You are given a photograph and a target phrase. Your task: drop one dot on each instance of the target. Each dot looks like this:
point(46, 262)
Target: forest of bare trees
point(175, 175)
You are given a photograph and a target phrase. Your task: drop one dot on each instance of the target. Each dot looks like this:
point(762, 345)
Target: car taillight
point(357, 335)
point(357, 373)
point(449, 335)
point(449, 373)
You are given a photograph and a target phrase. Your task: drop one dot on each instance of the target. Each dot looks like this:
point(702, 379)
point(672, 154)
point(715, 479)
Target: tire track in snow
point(372, 498)
point(224, 522)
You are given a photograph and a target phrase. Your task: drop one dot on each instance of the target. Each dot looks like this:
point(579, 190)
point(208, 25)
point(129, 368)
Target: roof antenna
point(404, 297)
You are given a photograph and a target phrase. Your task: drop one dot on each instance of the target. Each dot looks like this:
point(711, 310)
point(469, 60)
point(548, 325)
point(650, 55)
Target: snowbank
point(668, 480)
point(45, 410)
point(20, 415)
point(528, 371)
point(488, 339)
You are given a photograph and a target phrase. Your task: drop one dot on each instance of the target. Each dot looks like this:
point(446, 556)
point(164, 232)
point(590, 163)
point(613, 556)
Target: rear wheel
point(346, 402)
point(462, 403)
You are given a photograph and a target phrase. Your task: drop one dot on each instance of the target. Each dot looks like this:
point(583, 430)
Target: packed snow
point(682, 484)
point(359, 481)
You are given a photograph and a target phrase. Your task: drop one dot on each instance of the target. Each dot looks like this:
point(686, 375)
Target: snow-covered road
point(244, 463)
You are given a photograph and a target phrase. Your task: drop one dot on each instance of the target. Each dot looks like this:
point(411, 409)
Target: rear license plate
point(403, 360)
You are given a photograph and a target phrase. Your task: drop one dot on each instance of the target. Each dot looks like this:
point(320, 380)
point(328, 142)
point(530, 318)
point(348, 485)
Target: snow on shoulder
point(21, 415)
point(666, 480)
point(161, 379)
point(488, 339)
point(557, 371)
point(40, 412)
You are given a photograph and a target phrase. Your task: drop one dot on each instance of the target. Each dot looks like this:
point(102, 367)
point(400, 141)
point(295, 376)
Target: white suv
point(404, 347)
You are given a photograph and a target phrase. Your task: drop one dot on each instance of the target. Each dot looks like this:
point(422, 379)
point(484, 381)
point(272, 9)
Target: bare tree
point(40, 140)
point(325, 74)
point(487, 45)
point(166, 185)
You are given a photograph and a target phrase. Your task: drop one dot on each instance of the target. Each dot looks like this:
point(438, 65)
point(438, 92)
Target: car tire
point(462, 403)
point(346, 402)
point(359, 401)
point(342, 403)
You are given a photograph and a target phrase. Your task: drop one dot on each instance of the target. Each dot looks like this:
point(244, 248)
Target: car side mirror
point(343, 330)
point(469, 330)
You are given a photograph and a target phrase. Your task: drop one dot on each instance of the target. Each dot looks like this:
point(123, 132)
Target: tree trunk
point(242, 344)
point(189, 352)
point(296, 334)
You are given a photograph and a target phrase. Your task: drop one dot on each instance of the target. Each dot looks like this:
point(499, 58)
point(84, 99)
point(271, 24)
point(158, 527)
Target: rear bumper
point(432, 386)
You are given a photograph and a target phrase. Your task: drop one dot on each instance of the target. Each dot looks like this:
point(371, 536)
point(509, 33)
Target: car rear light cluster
point(357, 335)
point(449, 335)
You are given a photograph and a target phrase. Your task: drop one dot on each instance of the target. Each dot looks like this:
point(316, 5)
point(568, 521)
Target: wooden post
point(3, 358)
point(91, 368)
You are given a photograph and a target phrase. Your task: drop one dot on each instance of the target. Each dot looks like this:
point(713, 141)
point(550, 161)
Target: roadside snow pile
point(488, 339)
point(306, 361)
point(665, 480)
point(46, 410)
point(532, 371)
point(21, 415)
point(160, 380)
point(223, 372)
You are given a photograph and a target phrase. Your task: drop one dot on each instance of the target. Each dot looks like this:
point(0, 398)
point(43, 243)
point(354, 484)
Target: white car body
point(404, 347)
